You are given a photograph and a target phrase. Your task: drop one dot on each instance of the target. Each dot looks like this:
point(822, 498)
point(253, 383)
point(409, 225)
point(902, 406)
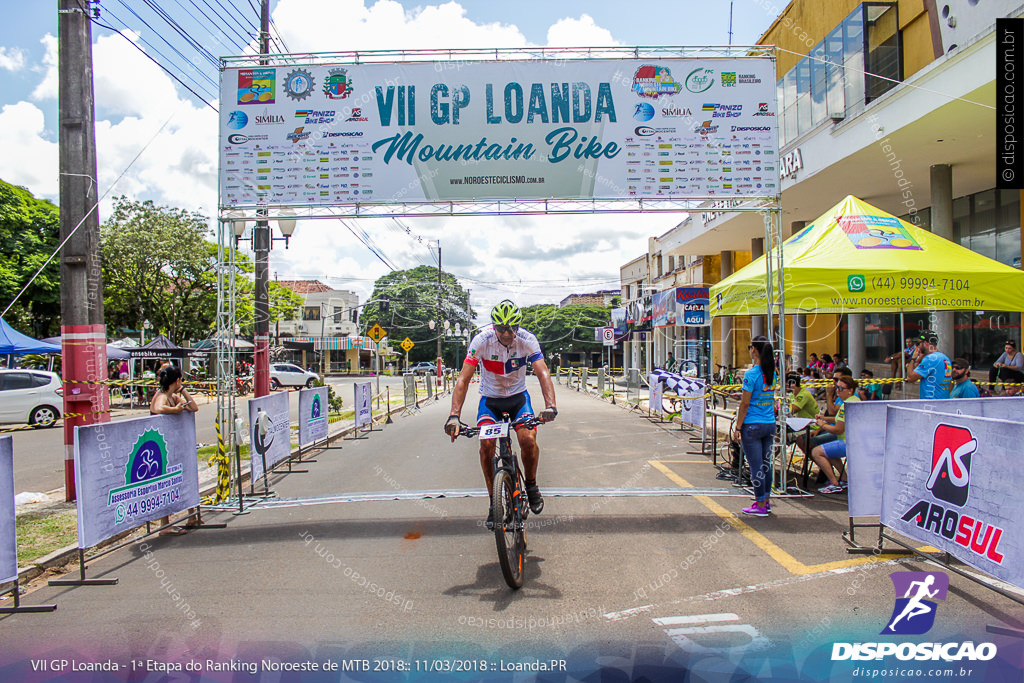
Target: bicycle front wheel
point(508, 528)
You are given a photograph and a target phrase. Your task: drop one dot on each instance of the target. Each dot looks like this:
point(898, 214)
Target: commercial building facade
point(892, 102)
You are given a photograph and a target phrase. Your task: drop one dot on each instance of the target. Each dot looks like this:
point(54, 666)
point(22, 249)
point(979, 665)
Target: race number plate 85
point(494, 431)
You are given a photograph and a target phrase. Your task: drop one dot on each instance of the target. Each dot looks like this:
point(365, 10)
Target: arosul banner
point(134, 471)
point(364, 411)
point(952, 481)
point(8, 537)
point(518, 130)
point(693, 308)
point(865, 440)
point(312, 415)
point(270, 432)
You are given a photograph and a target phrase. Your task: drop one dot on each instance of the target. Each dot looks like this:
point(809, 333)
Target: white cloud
point(48, 87)
point(28, 159)
point(12, 59)
point(570, 32)
point(385, 25)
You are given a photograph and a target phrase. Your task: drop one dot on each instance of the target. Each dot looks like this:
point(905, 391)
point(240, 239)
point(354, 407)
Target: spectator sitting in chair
point(963, 387)
point(829, 456)
point(1009, 367)
point(896, 365)
point(832, 398)
point(869, 392)
point(801, 403)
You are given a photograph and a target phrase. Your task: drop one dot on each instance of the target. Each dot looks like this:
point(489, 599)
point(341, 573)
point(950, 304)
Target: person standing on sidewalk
point(755, 422)
point(172, 399)
point(931, 367)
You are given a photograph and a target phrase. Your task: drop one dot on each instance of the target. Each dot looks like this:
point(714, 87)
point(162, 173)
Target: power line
point(150, 58)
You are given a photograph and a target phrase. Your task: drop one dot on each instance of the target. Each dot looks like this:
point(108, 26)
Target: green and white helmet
point(506, 313)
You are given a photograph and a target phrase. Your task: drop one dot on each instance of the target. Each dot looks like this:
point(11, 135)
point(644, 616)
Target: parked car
point(424, 368)
point(35, 397)
point(288, 375)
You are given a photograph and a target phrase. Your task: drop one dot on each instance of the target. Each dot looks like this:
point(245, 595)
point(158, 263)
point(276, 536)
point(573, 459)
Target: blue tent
point(14, 342)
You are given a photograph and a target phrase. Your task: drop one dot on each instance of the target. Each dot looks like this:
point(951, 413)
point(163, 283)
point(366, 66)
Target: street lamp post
point(262, 242)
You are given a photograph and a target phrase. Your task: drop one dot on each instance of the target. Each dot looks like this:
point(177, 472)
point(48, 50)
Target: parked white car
point(33, 397)
point(289, 375)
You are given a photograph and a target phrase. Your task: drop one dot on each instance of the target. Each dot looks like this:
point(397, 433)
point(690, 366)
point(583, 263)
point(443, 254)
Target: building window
point(829, 83)
point(881, 48)
point(310, 312)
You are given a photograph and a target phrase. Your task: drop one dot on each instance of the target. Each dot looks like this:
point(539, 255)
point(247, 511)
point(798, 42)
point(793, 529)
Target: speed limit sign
point(608, 336)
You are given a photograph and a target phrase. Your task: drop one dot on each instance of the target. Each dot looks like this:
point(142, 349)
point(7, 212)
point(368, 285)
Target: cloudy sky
point(171, 134)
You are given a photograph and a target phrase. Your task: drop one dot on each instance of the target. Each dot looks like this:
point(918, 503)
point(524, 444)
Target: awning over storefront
point(337, 343)
point(856, 258)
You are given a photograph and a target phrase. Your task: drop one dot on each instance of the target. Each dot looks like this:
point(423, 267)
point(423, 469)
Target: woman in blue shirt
point(755, 422)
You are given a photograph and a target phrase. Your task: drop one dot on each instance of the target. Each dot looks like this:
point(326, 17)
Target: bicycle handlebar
point(528, 422)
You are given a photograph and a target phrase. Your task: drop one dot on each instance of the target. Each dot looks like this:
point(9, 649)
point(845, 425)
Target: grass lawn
point(42, 532)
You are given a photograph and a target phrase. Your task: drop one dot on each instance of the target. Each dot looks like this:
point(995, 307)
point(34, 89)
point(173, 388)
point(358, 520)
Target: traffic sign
point(377, 333)
point(608, 336)
point(407, 345)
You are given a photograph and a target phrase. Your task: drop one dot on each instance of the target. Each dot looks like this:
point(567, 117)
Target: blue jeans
point(758, 440)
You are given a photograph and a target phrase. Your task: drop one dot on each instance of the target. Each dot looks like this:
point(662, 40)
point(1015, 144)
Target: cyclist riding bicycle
point(502, 353)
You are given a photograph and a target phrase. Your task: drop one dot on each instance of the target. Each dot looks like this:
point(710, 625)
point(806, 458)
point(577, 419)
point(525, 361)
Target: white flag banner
point(364, 412)
point(953, 482)
point(270, 432)
point(865, 440)
point(312, 415)
point(655, 393)
point(134, 471)
point(8, 537)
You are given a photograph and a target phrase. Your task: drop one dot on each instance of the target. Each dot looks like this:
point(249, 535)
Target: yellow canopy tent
point(856, 258)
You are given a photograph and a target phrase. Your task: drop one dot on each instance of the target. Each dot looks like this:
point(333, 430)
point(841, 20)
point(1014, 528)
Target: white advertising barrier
point(134, 471)
point(364, 412)
point(865, 440)
point(654, 394)
point(332, 134)
point(953, 482)
point(270, 432)
point(409, 389)
point(8, 537)
point(312, 415)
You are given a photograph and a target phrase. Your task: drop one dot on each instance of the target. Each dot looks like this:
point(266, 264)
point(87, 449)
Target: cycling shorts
point(490, 410)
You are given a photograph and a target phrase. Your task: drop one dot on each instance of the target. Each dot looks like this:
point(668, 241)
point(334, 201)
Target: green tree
point(568, 329)
point(158, 266)
point(413, 302)
point(29, 233)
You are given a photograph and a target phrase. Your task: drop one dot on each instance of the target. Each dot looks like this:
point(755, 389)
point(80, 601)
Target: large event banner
point(134, 471)
point(364, 411)
point(954, 482)
point(530, 129)
point(270, 432)
point(312, 415)
point(865, 440)
point(8, 535)
point(693, 308)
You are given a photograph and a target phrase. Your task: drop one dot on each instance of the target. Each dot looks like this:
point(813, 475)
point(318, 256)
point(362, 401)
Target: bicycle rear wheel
point(508, 528)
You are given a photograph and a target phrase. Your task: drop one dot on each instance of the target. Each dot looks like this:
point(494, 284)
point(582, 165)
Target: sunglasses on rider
point(506, 328)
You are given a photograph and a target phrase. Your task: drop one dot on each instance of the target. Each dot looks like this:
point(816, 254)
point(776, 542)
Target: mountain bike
point(724, 376)
point(509, 507)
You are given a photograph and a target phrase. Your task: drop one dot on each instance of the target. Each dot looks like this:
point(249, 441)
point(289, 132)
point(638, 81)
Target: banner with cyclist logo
point(270, 432)
point(132, 472)
point(865, 440)
point(8, 537)
point(313, 409)
point(951, 482)
point(364, 411)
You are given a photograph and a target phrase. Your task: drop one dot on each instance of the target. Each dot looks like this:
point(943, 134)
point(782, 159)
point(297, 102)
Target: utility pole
point(261, 247)
point(440, 321)
point(83, 333)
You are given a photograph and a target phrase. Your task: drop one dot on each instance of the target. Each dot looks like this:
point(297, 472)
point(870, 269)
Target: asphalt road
point(39, 453)
point(645, 585)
